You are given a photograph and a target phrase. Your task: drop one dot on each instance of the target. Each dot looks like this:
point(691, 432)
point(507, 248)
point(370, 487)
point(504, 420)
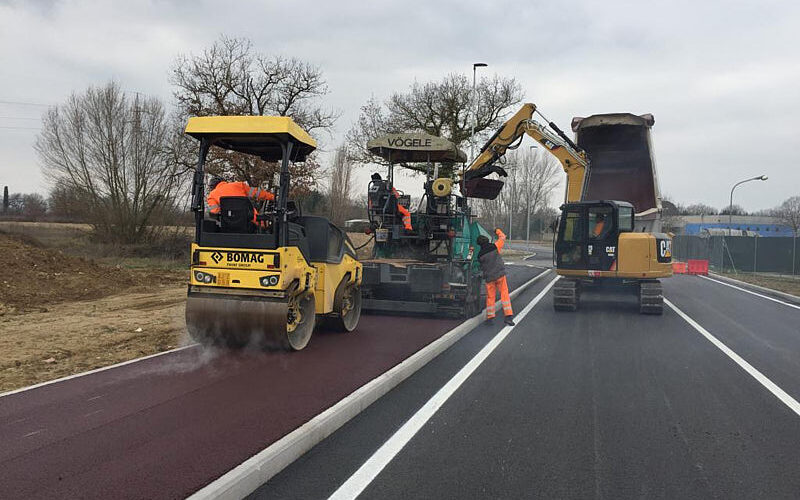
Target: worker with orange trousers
point(494, 272)
point(219, 188)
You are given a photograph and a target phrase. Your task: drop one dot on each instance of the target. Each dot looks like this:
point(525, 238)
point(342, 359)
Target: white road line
point(760, 377)
point(356, 483)
point(102, 369)
point(751, 292)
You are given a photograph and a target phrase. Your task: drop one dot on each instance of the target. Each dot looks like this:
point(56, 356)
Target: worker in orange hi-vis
point(403, 211)
point(599, 225)
point(219, 188)
point(494, 272)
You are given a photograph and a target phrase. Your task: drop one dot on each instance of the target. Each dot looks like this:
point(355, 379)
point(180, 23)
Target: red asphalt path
point(164, 427)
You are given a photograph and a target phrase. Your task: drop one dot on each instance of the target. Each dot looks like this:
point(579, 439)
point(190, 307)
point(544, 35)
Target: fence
point(741, 253)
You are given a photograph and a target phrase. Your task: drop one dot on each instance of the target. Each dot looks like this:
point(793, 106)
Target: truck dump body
point(622, 165)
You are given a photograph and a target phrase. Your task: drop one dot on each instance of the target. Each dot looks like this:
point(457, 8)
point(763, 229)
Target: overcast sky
point(721, 78)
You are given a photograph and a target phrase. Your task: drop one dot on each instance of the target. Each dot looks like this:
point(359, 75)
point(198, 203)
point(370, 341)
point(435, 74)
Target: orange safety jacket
point(501, 239)
point(403, 211)
point(598, 228)
point(224, 189)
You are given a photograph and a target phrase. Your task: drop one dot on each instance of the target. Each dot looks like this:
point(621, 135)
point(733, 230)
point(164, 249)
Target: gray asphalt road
point(604, 403)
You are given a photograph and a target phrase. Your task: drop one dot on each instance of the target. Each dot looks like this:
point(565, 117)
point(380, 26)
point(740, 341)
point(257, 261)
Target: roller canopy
point(415, 148)
point(260, 136)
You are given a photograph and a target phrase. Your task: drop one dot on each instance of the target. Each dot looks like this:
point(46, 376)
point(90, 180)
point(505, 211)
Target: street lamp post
point(475, 67)
point(528, 200)
point(730, 207)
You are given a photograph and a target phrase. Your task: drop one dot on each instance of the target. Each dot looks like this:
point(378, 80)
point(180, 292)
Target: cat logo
point(611, 250)
point(216, 257)
point(665, 248)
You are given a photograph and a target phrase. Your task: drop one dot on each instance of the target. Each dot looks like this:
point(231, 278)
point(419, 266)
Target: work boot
point(509, 320)
point(489, 321)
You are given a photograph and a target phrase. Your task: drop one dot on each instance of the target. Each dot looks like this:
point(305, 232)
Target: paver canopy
point(415, 148)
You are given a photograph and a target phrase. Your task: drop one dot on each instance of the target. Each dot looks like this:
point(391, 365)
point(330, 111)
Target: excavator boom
point(572, 159)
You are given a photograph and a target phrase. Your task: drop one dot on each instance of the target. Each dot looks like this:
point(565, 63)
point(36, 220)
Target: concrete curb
point(794, 299)
point(258, 469)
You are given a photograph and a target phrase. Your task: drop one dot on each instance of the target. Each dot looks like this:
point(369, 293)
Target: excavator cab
point(588, 234)
point(264, 275)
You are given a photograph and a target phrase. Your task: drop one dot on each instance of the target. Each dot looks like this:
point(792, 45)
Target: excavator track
point(651, 297)
point(566, 294)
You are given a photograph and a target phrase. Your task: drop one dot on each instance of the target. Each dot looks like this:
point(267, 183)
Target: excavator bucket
point(481, 188)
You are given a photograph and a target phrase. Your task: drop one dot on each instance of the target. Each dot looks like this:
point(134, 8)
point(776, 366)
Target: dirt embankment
point(34, 278)
point(61, 315)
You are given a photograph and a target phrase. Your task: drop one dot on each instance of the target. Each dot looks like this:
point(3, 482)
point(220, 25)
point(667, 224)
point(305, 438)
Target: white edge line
point(751, 292)
point(752, 371)
point(101, 369)
point(258, 469)
point(365, 474)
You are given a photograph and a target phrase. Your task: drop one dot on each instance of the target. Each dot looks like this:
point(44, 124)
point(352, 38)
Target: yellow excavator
point(263, 275)
point(609, 230)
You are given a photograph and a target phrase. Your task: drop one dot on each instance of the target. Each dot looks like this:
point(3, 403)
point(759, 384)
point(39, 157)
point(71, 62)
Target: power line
point(21, 103)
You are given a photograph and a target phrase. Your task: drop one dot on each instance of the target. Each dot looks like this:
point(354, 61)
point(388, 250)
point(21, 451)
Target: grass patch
point(786, 284)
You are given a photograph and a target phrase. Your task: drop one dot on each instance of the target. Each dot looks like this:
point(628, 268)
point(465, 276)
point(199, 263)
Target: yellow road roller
point(263, 274)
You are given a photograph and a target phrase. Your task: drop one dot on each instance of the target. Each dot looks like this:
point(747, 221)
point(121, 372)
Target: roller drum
point(242, 321)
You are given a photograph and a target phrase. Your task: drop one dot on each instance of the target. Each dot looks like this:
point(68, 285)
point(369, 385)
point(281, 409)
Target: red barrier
point(697, 266)
point(679, 268)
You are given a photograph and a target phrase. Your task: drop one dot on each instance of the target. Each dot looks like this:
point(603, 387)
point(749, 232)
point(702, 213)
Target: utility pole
point(5, 200)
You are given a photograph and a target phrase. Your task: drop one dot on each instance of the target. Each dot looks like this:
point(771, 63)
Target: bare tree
point(733, 210)
point(789, 213)
point(700, 209)
point(114, 151)
point(230, 78)
point(340, 176)
point(440, 108)
point(29, 206)
point(538, 172)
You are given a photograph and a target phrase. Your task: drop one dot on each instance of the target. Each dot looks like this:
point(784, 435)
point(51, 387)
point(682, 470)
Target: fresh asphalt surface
point(603, 403)
point(166, 426)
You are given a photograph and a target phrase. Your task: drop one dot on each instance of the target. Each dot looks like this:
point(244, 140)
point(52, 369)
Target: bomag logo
point(245, 257)
point(216, 257)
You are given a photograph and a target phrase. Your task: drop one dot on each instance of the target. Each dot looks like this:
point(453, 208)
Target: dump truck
point(426, 263)
point(609, 230)
point(265, 275)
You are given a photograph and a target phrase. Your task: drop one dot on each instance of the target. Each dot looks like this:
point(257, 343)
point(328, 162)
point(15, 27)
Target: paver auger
point(263, 275)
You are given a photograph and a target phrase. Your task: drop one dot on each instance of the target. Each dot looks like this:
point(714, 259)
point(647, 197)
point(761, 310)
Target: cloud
point(720, 78)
